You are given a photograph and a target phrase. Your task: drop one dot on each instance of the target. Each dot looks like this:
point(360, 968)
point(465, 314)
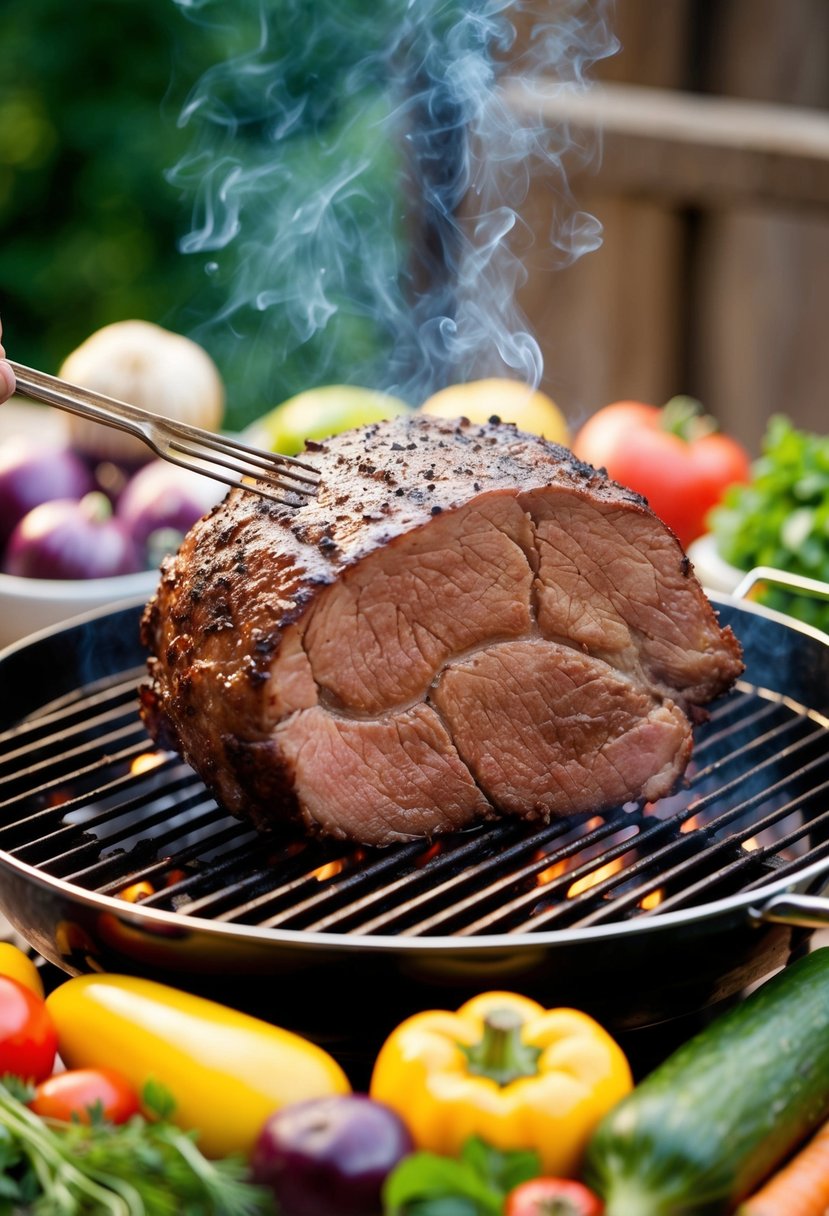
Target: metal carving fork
point(282, 479)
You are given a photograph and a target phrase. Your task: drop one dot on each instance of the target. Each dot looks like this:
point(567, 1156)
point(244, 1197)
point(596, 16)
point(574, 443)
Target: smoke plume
point(356, 178)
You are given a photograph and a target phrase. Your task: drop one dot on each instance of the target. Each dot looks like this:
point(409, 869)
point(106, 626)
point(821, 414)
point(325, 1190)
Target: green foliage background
point(88, 224)
point(280, 180)
point(91, 93)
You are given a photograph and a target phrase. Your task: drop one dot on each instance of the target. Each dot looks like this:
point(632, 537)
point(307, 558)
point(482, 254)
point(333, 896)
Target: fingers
point(7, 381)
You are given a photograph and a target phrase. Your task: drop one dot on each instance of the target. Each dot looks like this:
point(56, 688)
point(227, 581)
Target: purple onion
point(330, 1156)
point(32, 473)
point(66, 539)
point(162, 497)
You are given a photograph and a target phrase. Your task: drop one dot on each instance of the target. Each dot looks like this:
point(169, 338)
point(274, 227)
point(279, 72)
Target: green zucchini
point(715, 1119)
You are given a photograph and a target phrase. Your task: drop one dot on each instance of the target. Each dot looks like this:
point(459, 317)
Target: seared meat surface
point(464, 622)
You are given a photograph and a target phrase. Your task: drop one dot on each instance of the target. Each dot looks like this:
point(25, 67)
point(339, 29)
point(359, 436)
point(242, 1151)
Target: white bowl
point(30, 604)
point(713, 571)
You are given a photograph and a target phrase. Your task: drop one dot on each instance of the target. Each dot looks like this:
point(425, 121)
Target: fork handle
point(39, 386)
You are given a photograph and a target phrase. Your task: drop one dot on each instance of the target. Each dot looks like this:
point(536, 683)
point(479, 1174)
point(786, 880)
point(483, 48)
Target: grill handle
point(780, 578)
point(801, 911)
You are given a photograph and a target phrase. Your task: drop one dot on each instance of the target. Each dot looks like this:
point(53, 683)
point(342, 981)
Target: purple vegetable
point(330, 1156)
point(32, 473)
point(162, 497)
point(65, 539)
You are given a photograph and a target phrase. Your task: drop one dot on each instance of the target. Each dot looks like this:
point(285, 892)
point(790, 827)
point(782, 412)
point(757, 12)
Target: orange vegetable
point(801, 1188)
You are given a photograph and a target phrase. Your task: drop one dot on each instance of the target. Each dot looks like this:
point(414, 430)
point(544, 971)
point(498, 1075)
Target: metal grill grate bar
point(645, 853)
point(760, 765)
point(44, 823)
point(353, 873)
point(460, 860)
point(717, 864)
point(187, 871)
point(74, 705)
point(688, 851)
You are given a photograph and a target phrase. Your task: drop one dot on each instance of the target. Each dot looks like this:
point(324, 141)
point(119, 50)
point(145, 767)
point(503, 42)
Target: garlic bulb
point(148, 366)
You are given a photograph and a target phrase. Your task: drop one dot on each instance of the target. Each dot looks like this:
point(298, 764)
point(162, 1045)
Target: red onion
point(66, 539)
point(330, 1156)
point(162, 497)
point(32, 473)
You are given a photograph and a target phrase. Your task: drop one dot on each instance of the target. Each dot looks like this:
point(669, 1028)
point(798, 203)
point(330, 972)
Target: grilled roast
point(464, 622)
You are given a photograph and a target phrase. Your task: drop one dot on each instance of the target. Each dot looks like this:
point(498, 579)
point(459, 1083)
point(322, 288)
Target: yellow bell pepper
point(19, 966)
point(507, 1070)
point(226, 1071)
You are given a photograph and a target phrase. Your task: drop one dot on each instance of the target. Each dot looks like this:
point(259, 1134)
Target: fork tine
point(263, 489)
point(271, 462)
point(209, 455)
point(257, 455)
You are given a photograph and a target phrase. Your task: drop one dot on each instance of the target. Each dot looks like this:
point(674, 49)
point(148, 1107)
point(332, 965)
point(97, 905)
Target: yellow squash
point(507, 1070)
point(226, 1071)
point(19, 966)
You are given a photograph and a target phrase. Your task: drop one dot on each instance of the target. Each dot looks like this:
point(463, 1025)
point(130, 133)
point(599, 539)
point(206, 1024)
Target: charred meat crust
point(226, 627)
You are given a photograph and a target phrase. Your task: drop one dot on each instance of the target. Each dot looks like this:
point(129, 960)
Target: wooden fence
point(713, 192)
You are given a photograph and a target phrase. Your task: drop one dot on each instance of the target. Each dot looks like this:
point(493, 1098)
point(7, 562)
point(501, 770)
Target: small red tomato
point(28, 1039)
point(74, 1094)
point(552, 1197)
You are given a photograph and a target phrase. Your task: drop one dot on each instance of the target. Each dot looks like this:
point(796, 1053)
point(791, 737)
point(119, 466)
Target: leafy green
point(145, 1167)
point(781, 517)
point(476, 1184)
point(108, 162)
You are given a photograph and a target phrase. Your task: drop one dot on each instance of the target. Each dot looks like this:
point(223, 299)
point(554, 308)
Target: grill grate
point(87, 799)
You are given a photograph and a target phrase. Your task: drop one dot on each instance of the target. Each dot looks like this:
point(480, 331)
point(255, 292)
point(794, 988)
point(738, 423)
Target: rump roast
point(464, 622)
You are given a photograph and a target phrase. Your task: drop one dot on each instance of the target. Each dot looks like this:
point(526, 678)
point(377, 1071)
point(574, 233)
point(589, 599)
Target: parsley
point(781, 517)
point(145, 1167)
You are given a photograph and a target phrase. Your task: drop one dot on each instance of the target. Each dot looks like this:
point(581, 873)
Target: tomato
point(28, 1039)
point(75, 1093)
point(670, 455)
point(552, 1197)
point(19, 966)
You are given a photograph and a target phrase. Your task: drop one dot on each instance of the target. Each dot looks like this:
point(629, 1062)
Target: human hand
point(7, 381)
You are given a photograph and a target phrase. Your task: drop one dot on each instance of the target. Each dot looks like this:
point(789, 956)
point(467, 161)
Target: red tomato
point(28, 1039)
point(552, 1197)
point(681, 477)
point(72, 1094)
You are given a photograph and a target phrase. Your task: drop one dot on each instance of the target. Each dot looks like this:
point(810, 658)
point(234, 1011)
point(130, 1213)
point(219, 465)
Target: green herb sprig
point(781, 517)
point(144, 1167)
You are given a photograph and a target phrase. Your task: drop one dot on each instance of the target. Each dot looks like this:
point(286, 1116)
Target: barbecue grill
point(114, 856)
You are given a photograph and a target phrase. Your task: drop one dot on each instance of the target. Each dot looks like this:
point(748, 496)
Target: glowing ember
point(431, 852)
point(691, 825)
point(591, 880)
point(329, 870)
point(137, 891)
point(652, 900)
point(146, 761)
point(551, 873)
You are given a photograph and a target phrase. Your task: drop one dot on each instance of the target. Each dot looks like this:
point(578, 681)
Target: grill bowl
point(637, 916)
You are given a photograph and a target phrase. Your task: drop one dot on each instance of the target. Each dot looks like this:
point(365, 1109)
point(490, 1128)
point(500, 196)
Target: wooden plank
point(688, 149)
point(759, 339)
point(610, 325)
point(761, 298)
